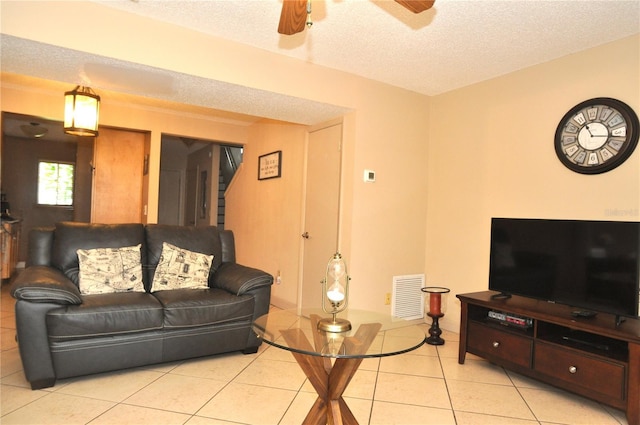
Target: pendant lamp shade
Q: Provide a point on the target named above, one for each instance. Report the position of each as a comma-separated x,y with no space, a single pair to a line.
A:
81,109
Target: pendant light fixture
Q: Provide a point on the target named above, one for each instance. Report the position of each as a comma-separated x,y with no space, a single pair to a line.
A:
81,108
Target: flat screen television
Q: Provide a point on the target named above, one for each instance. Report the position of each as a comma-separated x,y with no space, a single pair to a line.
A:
593,266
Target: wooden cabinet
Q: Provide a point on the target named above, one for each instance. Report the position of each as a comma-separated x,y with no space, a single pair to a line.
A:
9,237
594,357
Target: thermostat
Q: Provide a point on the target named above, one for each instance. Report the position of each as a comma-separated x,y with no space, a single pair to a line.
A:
369,176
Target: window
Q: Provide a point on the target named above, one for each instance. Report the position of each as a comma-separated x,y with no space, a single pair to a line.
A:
55,183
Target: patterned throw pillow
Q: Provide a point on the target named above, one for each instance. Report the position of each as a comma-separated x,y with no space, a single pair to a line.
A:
105,270
180,269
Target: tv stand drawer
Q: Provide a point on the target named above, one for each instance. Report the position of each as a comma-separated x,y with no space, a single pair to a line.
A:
499,346
576,369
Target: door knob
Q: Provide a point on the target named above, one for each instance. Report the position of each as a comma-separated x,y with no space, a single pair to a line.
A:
305,235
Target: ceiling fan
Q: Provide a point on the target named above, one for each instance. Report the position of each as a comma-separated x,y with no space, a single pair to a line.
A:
297,13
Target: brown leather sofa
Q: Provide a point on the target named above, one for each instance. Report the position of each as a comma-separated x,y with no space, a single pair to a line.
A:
63,333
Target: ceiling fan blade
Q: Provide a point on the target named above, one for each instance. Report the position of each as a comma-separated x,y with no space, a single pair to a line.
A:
416,6
292,17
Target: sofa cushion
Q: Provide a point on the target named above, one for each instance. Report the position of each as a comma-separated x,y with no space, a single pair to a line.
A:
105,270
181,269
185,308
105,314
69,237
205,240
39,245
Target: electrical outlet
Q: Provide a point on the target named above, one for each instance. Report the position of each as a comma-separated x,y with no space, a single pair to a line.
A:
387,298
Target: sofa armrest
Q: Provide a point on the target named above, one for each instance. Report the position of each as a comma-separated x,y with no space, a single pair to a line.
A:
239,279
43,284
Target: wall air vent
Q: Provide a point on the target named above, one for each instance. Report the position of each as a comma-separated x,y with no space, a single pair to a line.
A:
408,299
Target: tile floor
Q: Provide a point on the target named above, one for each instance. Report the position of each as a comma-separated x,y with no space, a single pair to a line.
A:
426,386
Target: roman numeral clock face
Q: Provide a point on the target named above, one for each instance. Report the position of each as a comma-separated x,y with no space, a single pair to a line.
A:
596,135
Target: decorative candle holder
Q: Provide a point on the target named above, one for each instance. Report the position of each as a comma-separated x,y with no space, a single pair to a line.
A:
435,306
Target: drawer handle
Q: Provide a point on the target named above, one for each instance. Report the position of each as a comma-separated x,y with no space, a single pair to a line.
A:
496,344
573,369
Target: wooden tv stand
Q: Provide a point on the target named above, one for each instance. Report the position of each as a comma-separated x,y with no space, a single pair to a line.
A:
591,357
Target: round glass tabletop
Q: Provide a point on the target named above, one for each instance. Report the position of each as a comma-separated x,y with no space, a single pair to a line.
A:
371,335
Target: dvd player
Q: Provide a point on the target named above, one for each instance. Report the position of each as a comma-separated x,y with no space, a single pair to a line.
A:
510,319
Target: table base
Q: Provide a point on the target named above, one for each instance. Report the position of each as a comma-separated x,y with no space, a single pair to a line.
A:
330,380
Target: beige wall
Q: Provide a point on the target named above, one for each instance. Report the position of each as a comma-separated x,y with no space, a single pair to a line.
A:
266,215
386,219
492,155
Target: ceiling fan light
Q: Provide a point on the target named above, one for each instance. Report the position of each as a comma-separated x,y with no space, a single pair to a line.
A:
34,129
81,110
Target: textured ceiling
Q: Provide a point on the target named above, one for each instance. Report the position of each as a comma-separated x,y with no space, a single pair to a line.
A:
452,45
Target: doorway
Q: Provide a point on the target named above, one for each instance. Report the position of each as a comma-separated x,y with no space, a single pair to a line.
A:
194,174
26,140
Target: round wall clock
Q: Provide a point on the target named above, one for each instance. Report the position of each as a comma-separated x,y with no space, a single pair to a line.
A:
597,135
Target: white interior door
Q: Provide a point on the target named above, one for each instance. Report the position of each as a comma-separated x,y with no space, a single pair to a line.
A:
170,197
321,210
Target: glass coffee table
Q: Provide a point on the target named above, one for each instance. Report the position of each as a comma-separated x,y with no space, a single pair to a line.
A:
329,360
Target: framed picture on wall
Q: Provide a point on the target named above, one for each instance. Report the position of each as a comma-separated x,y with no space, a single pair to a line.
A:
270,165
